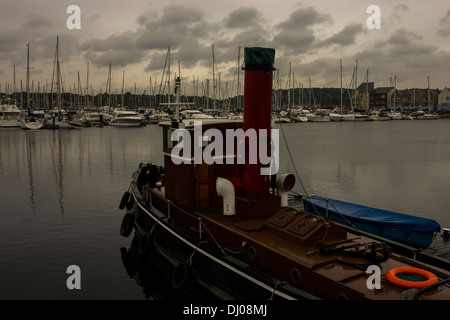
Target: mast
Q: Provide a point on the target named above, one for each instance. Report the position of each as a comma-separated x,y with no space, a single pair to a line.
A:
79,90
123,83
340,63
168,82
355,93
28,76
309,80
289,87
15,98
87,87
214,80
109,86
429,102
395,89
58,75
238,72
367,90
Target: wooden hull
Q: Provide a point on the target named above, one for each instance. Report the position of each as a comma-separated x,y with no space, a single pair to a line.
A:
186,260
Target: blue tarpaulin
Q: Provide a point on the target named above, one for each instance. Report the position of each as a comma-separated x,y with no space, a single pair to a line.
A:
368,216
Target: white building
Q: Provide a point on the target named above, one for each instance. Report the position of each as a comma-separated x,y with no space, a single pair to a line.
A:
444,97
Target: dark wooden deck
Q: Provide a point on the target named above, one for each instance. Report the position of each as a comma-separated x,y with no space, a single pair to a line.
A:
438,254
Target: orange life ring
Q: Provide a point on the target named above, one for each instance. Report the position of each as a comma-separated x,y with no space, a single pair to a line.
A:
391,276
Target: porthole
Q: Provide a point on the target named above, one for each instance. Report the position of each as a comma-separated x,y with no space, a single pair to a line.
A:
296,276
252,253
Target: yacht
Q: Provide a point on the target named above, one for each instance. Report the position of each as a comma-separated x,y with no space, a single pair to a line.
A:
299,115
336,116
33,120
126,118
9,114
394,115
194,114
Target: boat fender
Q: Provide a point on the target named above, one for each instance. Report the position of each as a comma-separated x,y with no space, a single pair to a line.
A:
127,225
391,276
145,243
125,200
180,276
225,189
285,183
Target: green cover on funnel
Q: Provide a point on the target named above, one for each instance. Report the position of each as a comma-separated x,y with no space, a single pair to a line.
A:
259,56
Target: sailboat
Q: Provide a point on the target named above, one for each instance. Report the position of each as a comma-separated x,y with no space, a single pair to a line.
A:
347,116
394,114
429,115
33,119
59,119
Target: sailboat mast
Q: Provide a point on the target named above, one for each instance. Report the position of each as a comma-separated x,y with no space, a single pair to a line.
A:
355,93
15,98
28,76
238,72
168,77
123,83
395,89
340,67
429,102
214,80
109,86
289,87
367,90
58,76
87,87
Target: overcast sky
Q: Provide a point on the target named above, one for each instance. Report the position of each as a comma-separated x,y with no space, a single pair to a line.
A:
313,36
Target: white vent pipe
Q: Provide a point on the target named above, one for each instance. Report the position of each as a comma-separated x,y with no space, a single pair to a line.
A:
225,189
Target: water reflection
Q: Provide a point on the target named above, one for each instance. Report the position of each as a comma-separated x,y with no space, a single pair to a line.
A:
30,151
56,152
154,283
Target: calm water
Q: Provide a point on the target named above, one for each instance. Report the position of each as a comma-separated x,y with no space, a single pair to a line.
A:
60,190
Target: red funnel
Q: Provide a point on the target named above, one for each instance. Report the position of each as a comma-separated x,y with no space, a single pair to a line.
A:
257,114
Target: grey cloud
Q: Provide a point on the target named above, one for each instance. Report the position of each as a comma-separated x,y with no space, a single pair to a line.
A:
344,37
303,18
37,21
243,17
295,33
178,27
115,41
444,30
405,43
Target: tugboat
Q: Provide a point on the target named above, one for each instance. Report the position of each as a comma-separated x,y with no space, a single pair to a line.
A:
228,228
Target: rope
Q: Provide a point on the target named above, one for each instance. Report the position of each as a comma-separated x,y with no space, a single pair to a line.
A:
195,250
296,172
276,286
215,241
303,187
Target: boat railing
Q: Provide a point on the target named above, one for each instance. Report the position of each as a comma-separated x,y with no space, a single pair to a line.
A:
201,224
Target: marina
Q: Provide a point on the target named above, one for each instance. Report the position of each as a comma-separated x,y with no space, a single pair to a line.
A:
224,158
